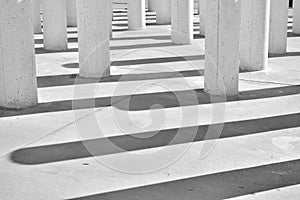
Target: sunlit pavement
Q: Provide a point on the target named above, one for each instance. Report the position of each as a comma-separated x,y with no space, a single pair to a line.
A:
44,150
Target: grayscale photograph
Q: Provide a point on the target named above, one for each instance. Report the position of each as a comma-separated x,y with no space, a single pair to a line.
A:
149,99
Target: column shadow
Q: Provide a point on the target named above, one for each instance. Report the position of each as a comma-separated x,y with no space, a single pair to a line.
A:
291,34
124,143
64,80
139,102
70,40
217,186
125,47
160,37
288,54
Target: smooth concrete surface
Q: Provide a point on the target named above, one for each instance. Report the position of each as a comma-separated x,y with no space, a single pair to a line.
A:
55,24
182,13
202,11
278,26
222,47
136,14
71,13
289,192
255,23
110,22
93,35
296,17
18,87
257,154
163,11
150,5
36,6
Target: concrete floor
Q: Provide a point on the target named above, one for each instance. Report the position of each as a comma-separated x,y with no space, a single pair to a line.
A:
42,149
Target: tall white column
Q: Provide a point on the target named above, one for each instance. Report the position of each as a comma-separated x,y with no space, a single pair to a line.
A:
296,17
18,85
196,6
278,26
55,24
71,13
254,34
93,38
36,5
111,15
182,21
202,11
136,14
163,11
150,5
222,47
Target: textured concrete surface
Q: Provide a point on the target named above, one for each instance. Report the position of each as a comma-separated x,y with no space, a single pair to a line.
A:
256,156
255,24
18,85
55,25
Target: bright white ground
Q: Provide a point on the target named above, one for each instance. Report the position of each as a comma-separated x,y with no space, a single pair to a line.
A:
256,157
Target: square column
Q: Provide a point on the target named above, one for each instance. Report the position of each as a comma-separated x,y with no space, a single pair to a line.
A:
222,47
202,11
278,26
55,24
163,11
296,17
136,14
71,13
18,84
111,16
36,5
150,5
182,13
254,34
93,38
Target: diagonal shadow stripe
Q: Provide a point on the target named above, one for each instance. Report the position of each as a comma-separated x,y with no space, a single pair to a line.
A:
154,37
123,19
125,47
170,99
215,186
60,80
146,101
44,51
291,34
157,60
141,46
146,61
288,54
140,141
70,40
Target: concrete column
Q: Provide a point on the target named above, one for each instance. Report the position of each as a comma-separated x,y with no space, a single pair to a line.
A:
36,4
182,21
18,85
93,38
196,6
222,47
150,5
163,11
136,14
111,15
55,24
254,34
202,11
71,13
296,17
278,26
